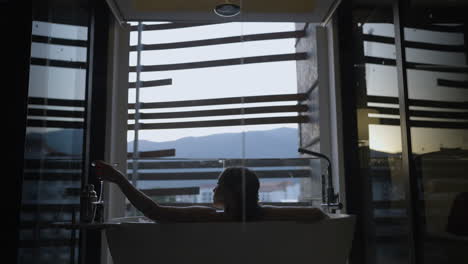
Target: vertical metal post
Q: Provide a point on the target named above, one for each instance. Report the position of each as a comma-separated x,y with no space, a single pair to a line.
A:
137,111
73,237
407,164
83,235
368,224
94,127
355,183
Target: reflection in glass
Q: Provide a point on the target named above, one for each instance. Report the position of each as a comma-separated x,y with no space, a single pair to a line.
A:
437,77
54,137
379,135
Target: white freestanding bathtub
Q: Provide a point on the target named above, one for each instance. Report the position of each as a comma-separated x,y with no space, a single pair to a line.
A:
134,242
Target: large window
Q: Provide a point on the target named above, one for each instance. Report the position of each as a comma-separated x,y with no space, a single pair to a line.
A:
204,97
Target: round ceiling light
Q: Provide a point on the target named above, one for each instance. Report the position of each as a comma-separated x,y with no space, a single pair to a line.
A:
227,10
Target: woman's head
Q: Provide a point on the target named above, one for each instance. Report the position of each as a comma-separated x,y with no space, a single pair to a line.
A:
237,193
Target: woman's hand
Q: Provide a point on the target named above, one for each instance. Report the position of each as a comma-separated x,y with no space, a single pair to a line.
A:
107,172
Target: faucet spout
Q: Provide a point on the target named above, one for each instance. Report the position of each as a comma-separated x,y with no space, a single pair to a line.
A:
331,200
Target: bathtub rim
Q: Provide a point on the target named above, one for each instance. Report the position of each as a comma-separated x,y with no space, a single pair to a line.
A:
126,220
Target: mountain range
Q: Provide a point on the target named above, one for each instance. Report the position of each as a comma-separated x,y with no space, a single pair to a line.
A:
275,143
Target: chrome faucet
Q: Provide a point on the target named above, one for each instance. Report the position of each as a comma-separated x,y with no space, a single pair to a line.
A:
331,199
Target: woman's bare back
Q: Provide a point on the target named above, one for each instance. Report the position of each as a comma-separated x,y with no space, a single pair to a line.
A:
210,214
292,213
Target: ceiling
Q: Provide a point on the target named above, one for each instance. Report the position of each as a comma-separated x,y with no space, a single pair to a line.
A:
202,10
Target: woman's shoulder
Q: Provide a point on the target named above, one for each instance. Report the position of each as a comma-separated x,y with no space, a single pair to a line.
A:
191,214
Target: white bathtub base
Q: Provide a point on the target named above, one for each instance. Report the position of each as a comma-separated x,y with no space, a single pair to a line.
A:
328,241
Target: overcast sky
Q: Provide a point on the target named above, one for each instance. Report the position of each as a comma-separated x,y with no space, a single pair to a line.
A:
214,82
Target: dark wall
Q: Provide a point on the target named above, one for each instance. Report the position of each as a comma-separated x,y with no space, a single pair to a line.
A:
15,17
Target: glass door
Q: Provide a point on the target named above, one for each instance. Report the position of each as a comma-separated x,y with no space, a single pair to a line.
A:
385,216
410,79
53,165
435,45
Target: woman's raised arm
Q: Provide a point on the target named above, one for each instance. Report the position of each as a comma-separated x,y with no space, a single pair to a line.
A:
150,208
140,200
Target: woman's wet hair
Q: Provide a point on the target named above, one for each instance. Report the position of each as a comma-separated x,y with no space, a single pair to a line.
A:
243,184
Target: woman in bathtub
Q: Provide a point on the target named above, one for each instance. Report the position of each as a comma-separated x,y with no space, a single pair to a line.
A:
236,193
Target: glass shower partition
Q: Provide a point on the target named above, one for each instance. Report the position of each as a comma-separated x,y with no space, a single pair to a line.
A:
54,133
436,63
